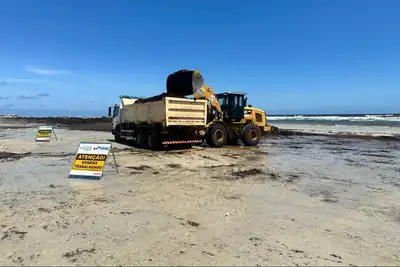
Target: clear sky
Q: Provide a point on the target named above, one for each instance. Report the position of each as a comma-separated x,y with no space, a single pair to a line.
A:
290,56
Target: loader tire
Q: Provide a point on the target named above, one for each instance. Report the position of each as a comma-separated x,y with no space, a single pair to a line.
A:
251,135
217,135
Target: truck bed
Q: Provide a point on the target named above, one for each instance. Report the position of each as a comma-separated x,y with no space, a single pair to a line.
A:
169,111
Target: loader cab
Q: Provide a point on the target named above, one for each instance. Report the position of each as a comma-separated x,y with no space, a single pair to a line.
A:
232,105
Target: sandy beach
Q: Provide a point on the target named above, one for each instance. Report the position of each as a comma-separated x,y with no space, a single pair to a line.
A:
293,200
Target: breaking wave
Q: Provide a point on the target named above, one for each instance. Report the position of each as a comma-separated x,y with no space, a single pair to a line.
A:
355,118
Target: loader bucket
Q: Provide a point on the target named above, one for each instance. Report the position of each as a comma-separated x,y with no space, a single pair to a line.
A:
184,82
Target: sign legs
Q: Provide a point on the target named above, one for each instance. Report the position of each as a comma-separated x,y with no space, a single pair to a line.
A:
54,132
115,162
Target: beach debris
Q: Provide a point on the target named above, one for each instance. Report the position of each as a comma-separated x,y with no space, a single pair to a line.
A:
194,224
100,199
255,239
245,173
174,165
292,178
78,252
140,167
9,156
297,251
13,231
18,260
233,197
208,253
126,212
273,176
335,256
44,210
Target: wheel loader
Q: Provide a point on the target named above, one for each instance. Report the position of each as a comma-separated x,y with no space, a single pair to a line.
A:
230,119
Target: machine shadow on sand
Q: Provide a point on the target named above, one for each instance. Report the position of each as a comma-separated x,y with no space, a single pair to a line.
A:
134,147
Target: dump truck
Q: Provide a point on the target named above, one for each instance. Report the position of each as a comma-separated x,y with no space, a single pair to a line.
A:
159,122
165,119
174,118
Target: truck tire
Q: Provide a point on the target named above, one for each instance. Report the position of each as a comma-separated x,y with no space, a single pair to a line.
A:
217,135
117,135
251,135
153,141
141,139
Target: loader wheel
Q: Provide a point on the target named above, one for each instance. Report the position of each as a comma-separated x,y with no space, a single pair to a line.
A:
251,135
217,135
153,141
141,139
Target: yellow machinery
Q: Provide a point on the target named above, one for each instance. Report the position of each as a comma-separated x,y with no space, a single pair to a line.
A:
258,117
223,119
230,119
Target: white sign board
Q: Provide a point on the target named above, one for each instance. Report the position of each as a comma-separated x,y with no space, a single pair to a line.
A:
44,133
90,160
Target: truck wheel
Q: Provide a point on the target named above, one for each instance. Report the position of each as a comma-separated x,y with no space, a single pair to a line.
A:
153,141
217,135
117,135
141,139
251,135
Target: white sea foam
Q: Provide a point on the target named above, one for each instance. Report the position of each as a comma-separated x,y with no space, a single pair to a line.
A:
342,129
365,118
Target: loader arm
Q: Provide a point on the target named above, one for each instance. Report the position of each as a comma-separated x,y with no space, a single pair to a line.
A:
208,93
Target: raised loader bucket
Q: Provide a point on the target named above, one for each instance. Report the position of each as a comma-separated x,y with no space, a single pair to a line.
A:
184,82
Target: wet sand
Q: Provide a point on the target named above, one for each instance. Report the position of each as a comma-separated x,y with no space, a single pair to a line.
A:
305,200
366,132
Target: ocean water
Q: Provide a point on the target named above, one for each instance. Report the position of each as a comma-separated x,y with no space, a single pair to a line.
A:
366,124
389,120
360,124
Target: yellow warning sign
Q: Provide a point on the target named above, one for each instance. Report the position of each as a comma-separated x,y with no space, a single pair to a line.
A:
44,133
89,162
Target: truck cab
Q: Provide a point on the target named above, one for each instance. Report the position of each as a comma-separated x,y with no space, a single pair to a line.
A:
114,113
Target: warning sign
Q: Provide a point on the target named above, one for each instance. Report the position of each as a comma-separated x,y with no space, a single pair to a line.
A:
90,160
44,133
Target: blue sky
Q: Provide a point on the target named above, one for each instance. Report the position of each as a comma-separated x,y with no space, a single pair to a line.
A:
290,56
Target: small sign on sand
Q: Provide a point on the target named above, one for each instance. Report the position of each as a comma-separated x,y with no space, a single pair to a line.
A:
90,160
44,134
